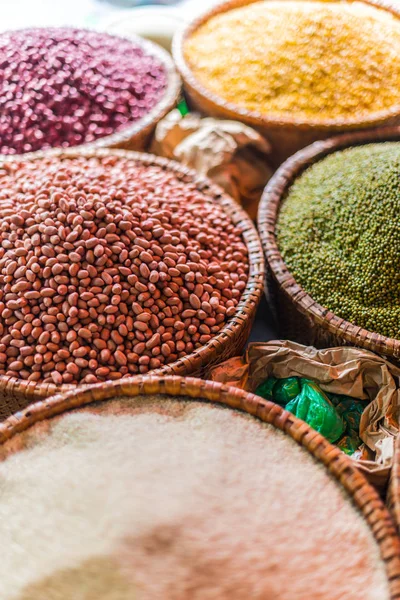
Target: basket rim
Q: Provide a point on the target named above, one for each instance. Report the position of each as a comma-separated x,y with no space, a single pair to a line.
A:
268,212
133,130
373,119
251,295
363,496
394,485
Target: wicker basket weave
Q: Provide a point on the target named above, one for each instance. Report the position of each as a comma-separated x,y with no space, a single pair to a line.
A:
137,134
17,393
393,497
287,135
364,497
300,317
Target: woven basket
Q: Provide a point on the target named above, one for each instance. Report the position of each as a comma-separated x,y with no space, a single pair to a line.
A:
287,135
393,497
299,316
17,393
137,135
364,497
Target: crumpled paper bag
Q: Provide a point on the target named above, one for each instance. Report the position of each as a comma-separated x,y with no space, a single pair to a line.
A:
349,371
231,154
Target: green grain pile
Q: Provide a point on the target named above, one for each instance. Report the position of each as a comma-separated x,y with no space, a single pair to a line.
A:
339,234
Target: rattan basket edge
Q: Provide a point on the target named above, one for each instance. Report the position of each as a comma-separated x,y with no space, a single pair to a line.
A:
302,317
137,134
339,465
286,134
16,393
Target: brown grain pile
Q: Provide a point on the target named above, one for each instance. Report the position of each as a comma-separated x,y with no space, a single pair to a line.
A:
110,268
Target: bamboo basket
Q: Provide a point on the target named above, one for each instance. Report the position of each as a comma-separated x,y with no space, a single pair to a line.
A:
341,468
393,497
136,135
287,135
17,393
300,317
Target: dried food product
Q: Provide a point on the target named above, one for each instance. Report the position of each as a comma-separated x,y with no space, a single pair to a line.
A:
129,497
316,61
65,87
339,233
109,267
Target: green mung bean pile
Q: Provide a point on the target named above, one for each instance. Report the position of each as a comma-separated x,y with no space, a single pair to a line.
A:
339,234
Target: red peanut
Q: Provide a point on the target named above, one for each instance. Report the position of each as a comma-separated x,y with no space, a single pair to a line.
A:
101,279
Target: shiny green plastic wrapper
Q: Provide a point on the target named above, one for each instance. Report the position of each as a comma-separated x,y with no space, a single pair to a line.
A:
183,107
266,389
280,391
349,443
315,408
286,390
336,398
351,411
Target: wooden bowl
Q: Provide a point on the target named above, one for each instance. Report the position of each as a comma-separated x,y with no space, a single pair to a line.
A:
231,339
355,487
300,317
137,134
287,135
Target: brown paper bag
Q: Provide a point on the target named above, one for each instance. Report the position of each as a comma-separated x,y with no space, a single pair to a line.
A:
231,154
348,371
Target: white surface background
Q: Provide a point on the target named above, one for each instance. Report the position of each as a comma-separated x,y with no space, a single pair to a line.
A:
34,13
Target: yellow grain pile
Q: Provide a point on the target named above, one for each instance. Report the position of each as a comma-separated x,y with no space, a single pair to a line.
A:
316,61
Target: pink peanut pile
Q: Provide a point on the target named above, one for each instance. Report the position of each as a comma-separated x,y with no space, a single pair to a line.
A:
109,268
64,87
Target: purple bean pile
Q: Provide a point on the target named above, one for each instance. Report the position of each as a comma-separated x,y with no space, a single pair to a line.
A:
110,268
65,87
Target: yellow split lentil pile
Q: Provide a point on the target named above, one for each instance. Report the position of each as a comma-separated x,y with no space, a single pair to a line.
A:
317,60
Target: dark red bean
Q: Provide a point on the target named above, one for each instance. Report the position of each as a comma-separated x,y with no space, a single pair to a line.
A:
72,106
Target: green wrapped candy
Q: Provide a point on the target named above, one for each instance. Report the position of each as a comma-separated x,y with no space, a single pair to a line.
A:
280,391
183,107
336,398
286,390
266,389
351,411
349,443
315,408
330,414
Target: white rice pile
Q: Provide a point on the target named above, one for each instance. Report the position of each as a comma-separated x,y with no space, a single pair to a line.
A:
173,500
